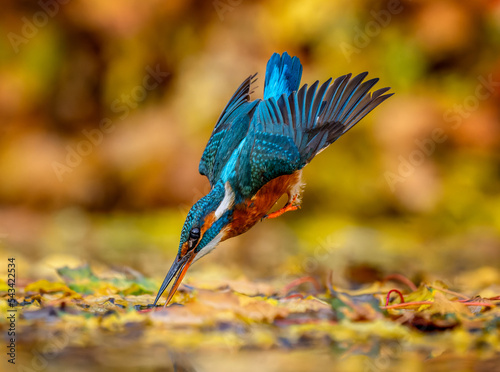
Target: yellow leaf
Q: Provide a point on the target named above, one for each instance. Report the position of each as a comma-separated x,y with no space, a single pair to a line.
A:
44,286
442,305
263,311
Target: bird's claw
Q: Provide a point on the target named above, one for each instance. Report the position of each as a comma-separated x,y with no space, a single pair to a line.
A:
287,208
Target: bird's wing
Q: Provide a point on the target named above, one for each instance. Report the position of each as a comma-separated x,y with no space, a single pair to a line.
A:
229,131
283,74
285,134
263,157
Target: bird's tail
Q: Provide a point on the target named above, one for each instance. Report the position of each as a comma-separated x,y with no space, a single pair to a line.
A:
283,74
338,106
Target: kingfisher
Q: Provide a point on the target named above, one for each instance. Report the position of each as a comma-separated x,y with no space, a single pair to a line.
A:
258,149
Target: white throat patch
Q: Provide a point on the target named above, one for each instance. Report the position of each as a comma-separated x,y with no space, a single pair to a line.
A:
227,202
209,247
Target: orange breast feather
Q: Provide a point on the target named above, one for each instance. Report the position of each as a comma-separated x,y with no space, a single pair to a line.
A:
251,211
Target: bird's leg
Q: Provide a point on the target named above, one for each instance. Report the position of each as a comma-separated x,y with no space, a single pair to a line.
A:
289,206
294,192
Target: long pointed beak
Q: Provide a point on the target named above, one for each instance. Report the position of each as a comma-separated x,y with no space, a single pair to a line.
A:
180,266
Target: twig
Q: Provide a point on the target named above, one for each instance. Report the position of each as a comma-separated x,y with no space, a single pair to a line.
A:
389,296
302,280
451,292
406,304
295,295
329,282
496,298
401,278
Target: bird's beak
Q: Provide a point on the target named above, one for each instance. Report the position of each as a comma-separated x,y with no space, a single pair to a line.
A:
180,265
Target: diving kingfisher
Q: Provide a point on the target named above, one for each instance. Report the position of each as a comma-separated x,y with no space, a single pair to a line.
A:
257,151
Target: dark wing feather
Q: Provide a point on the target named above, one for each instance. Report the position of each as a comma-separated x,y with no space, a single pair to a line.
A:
230,129
328,112
264,157
285,134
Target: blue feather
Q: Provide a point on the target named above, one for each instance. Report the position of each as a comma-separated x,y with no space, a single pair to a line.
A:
256,141
283,74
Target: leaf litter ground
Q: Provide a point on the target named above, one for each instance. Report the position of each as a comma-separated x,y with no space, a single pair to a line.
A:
107,320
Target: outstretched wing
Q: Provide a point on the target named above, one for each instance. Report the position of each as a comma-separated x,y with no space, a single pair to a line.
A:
263,157
229,131
283,74
286,134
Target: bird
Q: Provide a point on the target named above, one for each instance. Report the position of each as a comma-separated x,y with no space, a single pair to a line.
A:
257,151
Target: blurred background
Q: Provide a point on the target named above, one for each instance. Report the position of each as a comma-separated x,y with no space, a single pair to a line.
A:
105,109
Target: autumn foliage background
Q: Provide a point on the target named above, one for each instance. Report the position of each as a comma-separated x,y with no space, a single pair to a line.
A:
105,109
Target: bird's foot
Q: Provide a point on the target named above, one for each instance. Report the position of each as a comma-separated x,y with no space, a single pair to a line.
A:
287,208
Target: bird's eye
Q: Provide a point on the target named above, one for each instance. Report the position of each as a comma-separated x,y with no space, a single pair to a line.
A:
194,235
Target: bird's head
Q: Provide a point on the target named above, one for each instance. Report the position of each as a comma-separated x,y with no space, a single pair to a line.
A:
204,228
